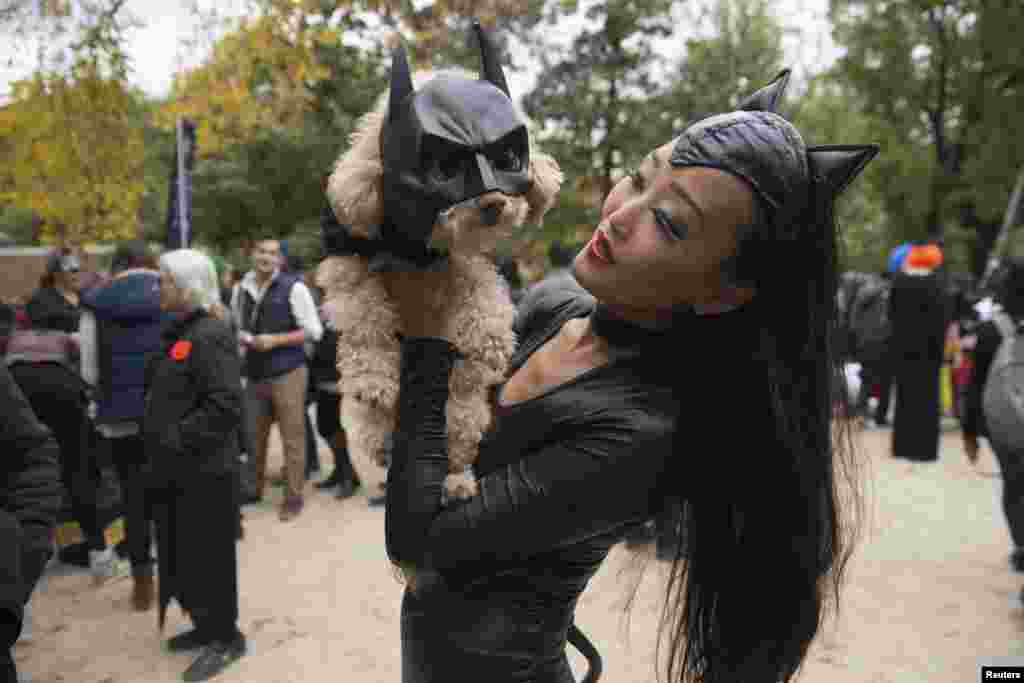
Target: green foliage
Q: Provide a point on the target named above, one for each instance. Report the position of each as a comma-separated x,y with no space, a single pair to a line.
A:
274,182
603,101
593,98
941,81
18,225
743,51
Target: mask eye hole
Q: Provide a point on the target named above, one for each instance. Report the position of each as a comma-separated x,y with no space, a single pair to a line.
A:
448,166
509,161
442,159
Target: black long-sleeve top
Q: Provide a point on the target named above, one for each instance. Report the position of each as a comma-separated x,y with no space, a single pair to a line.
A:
561,476
193,401
49,310
30,495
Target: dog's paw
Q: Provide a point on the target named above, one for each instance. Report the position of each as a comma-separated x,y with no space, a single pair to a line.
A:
460,485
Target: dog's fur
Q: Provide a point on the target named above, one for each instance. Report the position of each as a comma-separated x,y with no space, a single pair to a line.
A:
471,297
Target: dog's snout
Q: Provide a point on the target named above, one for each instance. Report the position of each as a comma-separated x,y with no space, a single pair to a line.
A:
491,207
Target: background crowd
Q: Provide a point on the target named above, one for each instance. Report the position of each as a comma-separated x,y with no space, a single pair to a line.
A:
918,342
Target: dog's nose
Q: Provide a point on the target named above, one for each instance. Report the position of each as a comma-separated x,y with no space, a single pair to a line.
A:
491,207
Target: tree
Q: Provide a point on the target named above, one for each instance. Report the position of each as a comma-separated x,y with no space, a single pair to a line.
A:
826,114
50,35
73,155
606,99
591,99
290,57
742,52
258,78
944,77
273,182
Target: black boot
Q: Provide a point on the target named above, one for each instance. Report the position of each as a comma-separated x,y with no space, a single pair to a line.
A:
346,489
330,482
216,656
381,499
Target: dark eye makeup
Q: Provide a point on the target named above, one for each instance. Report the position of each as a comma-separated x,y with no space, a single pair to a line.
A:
671,228
676,230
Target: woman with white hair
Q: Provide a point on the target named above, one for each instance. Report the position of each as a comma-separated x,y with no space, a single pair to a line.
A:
193,410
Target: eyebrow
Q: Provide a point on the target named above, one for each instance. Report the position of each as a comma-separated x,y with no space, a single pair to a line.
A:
679,189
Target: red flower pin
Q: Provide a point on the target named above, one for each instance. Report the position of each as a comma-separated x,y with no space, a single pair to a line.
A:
181,349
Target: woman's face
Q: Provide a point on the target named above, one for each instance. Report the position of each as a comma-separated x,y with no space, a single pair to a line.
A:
663,236
69,281
171,297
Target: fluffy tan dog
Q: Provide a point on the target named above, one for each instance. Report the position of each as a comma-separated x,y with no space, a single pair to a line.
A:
466,289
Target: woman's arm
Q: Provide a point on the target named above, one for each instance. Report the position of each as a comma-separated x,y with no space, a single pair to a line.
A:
216,370
30,488
560,495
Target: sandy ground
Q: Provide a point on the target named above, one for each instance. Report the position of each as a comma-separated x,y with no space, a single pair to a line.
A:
930,595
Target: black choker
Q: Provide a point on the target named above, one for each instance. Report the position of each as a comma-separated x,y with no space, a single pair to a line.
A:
624,334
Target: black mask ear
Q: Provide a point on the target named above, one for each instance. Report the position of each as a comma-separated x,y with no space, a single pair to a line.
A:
838,165
490,65
768,97
401,81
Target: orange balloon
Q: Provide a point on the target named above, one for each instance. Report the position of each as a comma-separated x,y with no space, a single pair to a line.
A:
924,256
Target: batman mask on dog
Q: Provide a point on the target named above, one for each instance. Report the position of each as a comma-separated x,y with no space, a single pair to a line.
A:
452,140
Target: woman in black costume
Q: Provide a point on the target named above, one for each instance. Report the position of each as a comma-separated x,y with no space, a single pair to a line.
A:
721,247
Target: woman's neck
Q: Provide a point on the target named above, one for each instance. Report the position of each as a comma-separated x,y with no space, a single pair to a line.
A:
624,328
69,295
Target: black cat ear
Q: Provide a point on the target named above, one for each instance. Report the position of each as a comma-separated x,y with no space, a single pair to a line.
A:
491,70
768,97
401,80
838,165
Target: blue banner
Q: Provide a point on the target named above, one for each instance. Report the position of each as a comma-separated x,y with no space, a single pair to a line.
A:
179,196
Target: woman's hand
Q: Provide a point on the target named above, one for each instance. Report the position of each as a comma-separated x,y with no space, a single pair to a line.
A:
415,296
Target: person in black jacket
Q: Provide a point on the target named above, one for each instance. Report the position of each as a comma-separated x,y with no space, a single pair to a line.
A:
1011,463
920,316
710,297
55,305
30,497
190,426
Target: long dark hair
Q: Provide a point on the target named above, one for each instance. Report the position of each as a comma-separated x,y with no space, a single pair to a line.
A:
49,277
765,524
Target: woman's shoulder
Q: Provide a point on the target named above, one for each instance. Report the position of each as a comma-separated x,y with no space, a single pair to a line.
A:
209,327
556,296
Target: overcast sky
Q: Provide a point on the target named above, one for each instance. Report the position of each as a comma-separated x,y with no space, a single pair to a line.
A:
156,50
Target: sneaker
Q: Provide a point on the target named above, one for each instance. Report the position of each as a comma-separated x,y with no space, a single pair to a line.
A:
346,489
189,640
328,483
105,565
252,498
380,499
215,657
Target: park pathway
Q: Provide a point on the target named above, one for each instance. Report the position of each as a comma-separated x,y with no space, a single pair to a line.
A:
929,595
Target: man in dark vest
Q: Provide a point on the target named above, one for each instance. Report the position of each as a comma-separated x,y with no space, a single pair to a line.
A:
120,329
276,316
